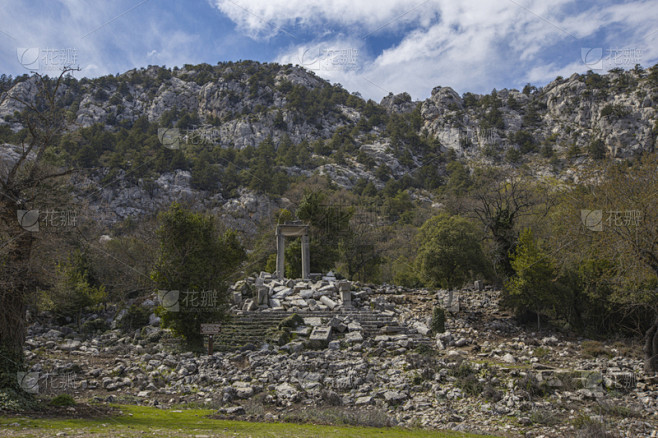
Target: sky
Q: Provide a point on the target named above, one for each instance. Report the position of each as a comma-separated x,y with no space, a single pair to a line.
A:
373,47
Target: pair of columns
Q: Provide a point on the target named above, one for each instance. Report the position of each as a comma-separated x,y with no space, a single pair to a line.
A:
292,230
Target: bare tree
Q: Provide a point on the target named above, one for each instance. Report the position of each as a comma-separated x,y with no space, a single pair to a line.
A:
22,181
500,201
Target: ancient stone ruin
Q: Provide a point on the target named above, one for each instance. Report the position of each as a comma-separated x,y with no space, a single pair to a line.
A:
292,229
331,311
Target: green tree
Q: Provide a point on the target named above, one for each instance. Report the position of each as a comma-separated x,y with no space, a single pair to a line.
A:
533,285
596,149
450,253
194,259
77,287
329,225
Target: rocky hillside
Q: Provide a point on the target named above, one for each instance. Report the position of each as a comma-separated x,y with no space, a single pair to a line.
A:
232,115
362,352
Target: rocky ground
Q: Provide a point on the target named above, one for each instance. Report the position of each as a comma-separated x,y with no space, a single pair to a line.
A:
366,351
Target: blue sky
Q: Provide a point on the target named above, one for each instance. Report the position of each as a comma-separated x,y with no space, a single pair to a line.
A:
371,47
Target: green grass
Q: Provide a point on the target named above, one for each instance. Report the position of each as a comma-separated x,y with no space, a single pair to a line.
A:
139,421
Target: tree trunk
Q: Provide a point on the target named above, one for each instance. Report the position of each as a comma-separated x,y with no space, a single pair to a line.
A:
15,281
651,349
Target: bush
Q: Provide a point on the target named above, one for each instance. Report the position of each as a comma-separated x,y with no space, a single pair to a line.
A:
597,149
471,385
136,317
95,325
594,349
438,323
490,394
77,287
532,386
62,400
545,417
590,428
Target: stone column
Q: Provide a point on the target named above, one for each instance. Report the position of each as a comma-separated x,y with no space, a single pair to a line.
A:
306,260
280,254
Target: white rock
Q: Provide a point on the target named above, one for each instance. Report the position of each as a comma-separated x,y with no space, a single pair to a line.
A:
508,358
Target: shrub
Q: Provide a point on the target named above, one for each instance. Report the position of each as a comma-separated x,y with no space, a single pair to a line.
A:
490,394
594,349
596,149
531,385
340,416
471,385
545,417
136,317
77,287
282,337
541,352
95,325
62,400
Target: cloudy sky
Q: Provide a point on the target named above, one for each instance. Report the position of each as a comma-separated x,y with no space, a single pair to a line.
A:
370,46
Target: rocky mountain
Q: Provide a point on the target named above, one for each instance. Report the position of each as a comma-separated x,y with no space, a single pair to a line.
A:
223,110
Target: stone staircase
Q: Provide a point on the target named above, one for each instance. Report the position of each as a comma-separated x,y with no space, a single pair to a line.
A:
253,327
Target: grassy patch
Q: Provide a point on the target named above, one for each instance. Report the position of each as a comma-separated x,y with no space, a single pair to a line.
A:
594,349
139,421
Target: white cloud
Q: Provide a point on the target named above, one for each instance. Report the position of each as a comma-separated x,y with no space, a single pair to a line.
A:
266,18
470,45
108,37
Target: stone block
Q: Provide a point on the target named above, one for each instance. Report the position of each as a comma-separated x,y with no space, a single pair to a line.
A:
320,337
346,298
313,321
353,337
331,304
249,305
263,296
